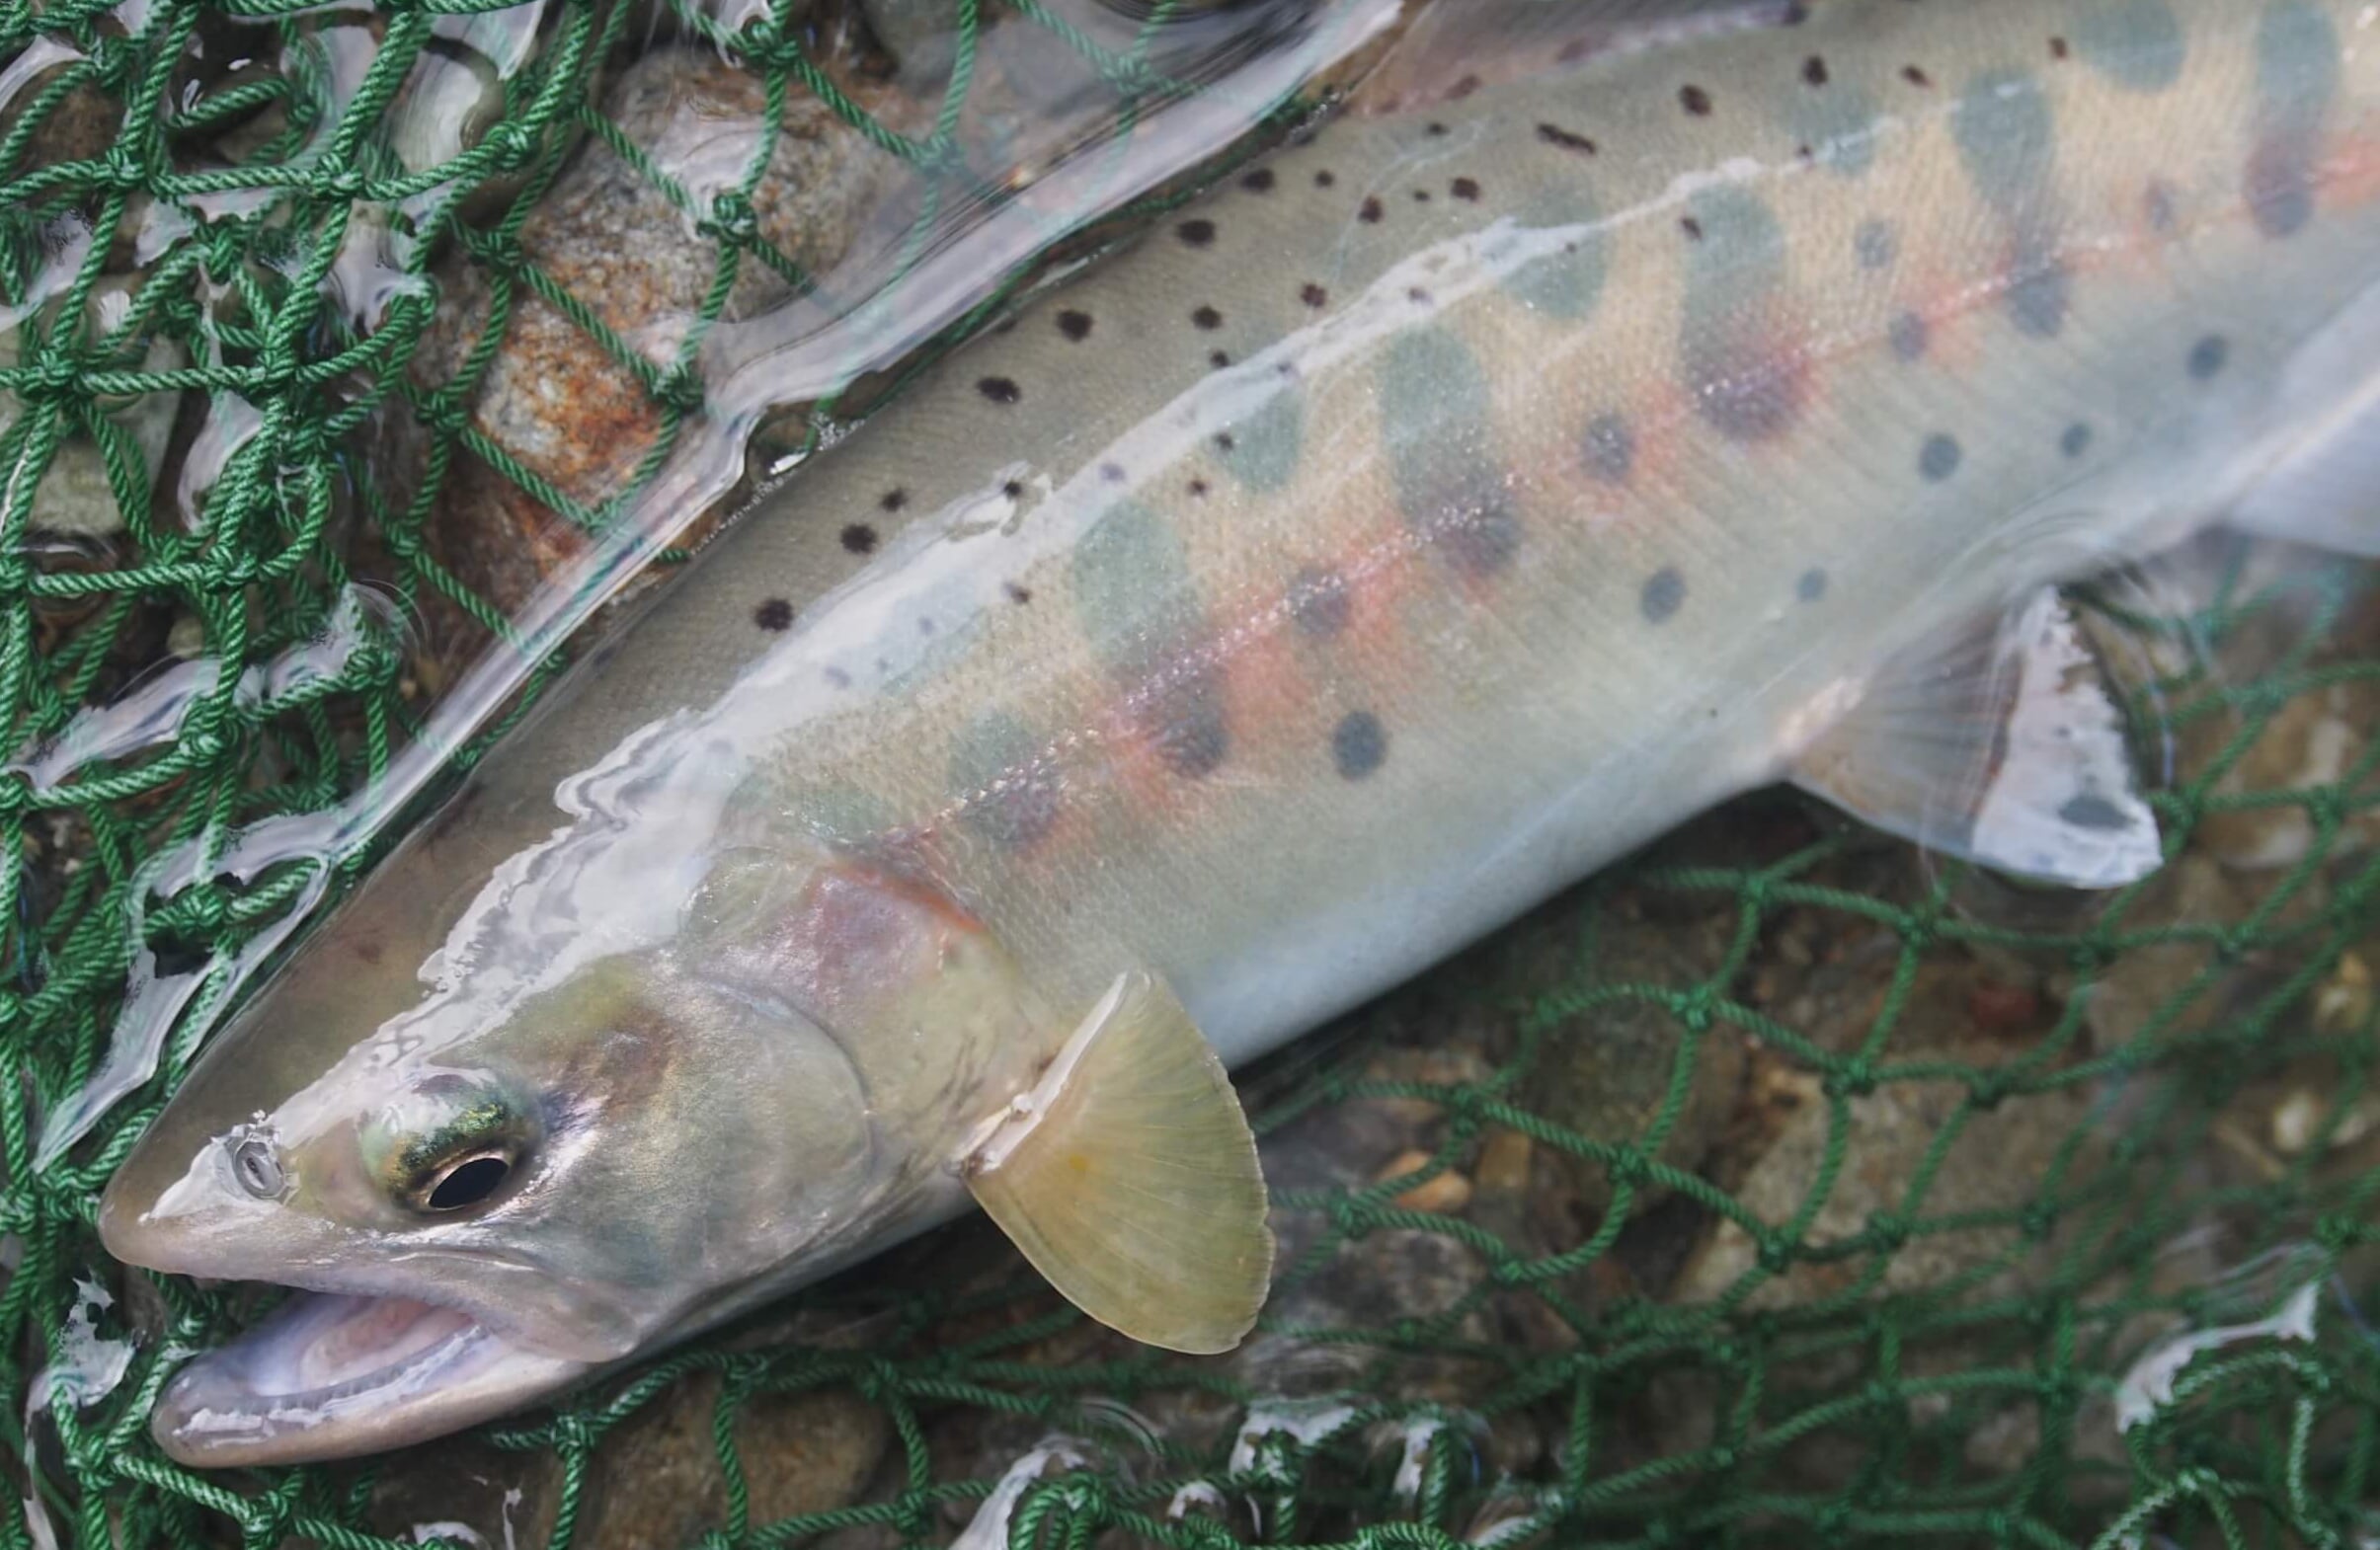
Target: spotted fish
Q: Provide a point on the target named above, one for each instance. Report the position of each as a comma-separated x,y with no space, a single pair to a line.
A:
1438,509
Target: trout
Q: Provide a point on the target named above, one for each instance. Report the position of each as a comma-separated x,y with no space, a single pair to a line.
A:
1435,510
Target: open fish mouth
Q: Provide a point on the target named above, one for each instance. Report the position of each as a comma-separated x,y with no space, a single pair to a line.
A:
329,1374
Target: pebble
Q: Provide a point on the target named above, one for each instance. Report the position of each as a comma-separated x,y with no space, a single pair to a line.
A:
553,397
1445,1193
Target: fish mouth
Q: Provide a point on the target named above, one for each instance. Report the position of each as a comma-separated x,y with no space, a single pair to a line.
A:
331,1376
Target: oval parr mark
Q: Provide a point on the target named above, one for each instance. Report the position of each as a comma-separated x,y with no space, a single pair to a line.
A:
1747,381
1445,466
2299,74
1004,775
1939,459
2138,44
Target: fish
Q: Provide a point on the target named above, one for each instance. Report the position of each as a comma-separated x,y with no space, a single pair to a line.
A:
1443,505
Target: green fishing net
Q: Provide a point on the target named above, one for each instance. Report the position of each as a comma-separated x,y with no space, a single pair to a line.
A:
1780,1187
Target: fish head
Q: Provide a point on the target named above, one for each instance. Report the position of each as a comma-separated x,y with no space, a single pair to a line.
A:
498,1204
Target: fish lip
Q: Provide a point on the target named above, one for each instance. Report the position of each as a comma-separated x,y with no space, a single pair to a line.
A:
307,1382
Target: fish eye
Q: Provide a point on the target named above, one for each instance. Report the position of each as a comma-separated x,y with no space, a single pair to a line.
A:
465,1182
456,1148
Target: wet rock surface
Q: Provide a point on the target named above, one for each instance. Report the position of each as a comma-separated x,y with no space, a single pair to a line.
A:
557,398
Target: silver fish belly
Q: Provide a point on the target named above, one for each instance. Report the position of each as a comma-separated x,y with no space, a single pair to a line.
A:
1435,512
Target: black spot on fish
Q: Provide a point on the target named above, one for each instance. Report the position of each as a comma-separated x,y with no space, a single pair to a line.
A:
2092,811
1000,390
2208,357
1692,227
1325,178
1812,586
1014,489
2077,439
1196,233
1555,135
1421,196
1112,473
1909,334
1224,441
1018,591
1663,596
1814,71
1939,458
1075,326
1610,447
1694,101
1915,76
1185,722
1259,181
1313,296
1197,489
2060,50
1205,318
860,538
774,615
1359,744
1217,359
894,499
1318,601
1368,212
1465,190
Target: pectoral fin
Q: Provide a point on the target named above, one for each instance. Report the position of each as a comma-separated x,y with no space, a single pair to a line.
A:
2003,746
1129,1177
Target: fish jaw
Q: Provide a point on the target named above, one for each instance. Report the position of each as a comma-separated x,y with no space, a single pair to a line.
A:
328,1375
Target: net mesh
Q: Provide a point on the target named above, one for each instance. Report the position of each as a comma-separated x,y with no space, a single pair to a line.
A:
1773,1186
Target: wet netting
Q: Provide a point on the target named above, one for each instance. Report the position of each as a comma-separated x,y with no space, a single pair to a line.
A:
1782,1187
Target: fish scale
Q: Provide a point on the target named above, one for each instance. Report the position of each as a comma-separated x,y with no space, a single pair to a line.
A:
1433,513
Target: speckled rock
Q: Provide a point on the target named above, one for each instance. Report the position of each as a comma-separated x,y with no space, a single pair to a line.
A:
657,1481
2150,985
1996,1163
553,397
2310,741
1608,1072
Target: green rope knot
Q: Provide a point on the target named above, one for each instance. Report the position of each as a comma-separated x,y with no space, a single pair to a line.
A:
336,183
1888,1232
1988,1092
681,389
119,167
1856,1079
511,145
1629,1167
731,222
56,378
